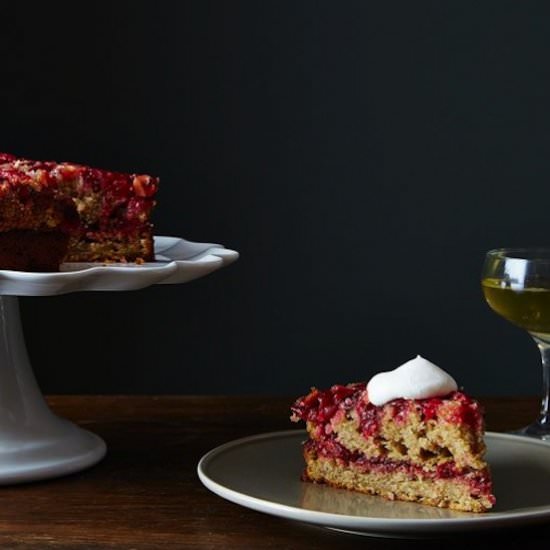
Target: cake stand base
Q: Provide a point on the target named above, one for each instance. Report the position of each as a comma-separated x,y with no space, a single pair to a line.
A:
34,443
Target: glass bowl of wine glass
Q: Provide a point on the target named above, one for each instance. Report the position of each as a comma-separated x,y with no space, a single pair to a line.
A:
516,285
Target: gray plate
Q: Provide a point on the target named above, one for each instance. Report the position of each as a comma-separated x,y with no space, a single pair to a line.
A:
262,472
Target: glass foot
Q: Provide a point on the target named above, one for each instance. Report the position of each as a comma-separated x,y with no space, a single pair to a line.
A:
536,430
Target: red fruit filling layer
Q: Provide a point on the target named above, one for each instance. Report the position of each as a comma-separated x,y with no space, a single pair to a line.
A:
478,481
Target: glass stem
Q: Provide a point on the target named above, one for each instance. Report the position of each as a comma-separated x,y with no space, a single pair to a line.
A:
544,348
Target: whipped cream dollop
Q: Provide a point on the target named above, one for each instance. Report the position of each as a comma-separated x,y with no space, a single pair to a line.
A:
415,379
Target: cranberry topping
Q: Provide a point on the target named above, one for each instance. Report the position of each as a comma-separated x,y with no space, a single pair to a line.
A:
369,417
6,157
134,193
321,405
430,408
456,408
93,179
468,412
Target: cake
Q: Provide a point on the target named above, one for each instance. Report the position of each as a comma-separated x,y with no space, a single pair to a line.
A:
409,434
64,212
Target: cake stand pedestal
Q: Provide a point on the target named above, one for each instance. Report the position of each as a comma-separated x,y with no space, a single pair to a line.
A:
35,443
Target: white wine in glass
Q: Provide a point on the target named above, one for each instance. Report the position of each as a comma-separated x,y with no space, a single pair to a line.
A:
516,285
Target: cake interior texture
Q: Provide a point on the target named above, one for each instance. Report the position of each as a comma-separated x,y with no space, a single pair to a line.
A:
64,212
429,451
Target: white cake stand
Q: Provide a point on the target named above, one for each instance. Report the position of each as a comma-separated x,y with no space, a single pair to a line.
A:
35,443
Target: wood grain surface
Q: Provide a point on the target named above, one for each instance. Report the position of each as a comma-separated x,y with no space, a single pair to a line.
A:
146,493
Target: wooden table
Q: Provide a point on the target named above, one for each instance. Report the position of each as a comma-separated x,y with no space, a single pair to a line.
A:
146,494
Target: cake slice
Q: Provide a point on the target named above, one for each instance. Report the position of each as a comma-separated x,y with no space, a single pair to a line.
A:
64,212
423,445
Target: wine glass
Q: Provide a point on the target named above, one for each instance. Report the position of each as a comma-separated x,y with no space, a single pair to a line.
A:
516,285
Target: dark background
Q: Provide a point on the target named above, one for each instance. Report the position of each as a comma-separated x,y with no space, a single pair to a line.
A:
361,156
